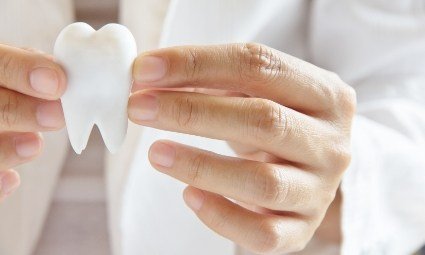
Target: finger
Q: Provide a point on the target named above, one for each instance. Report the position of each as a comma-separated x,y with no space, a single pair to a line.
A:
30,73
259,233
275,187
9,182
22,113
253,69
255,122
33,50
18,148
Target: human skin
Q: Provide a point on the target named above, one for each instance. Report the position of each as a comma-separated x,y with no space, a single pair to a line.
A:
30,86
288,121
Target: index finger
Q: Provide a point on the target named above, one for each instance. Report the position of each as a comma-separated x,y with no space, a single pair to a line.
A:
253,69
31,73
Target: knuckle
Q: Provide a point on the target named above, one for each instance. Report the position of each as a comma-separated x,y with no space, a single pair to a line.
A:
7,66
198,167
336,156
341,158
273,187
219,219
326,197
192,64
277,189
344,96
349,101
338,152
321,195
186,112
258,63
9,105
270,238
265,120
276,241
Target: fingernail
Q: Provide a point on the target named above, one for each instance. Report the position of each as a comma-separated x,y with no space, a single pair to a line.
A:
143,107
149,69
44,80
50,115
8,184
194,198
27,146
162,154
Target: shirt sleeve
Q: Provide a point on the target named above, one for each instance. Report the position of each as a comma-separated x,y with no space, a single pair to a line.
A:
380,51
384,188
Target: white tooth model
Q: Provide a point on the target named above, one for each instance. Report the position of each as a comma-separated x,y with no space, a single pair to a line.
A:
98,65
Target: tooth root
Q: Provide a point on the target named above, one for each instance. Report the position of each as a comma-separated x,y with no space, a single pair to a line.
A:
113,129
79,126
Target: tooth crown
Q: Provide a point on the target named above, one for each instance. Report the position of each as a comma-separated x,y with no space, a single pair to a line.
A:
98,66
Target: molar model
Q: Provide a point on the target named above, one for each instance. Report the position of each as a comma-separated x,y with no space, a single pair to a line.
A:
98,65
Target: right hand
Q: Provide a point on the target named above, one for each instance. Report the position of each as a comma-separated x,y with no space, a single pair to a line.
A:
30,86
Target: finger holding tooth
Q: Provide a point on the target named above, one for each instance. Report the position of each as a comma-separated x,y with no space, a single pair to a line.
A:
293,118
30,85
255,122
31,73
22,113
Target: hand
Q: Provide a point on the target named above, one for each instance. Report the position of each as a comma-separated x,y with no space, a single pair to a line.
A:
30,84
290,125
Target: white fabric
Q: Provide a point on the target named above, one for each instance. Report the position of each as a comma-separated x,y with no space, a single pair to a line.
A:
380,50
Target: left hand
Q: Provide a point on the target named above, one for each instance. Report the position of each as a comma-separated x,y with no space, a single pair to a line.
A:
289,124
